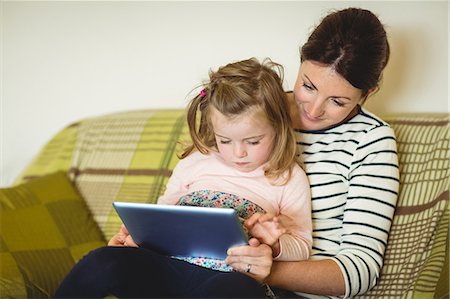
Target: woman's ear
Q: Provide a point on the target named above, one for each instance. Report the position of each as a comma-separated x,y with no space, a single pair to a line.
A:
372,91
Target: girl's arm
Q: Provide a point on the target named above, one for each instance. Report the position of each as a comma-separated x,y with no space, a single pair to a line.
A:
177,185
295,206
289,233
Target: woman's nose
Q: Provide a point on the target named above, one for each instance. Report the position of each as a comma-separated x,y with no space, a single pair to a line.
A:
316,109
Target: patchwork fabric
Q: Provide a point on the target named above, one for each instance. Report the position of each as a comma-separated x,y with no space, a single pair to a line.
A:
129,156
419,234
45,229
125,156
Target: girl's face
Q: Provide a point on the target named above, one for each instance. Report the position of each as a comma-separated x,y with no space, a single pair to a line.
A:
324,98
244,142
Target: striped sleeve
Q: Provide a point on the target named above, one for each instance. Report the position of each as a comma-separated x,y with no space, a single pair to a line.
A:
372,195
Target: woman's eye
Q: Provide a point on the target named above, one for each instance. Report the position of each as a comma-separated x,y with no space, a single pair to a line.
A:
307,87
337,102
224,141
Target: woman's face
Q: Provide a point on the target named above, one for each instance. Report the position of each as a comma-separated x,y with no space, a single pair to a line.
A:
324,98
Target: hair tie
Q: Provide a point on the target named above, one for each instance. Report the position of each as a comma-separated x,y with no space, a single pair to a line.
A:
203,93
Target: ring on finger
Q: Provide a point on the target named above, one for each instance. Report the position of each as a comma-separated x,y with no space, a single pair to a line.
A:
249,267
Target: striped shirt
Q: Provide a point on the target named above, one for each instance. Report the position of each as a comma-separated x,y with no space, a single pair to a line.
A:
353,172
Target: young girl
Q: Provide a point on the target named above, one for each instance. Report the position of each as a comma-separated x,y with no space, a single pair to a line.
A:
244,156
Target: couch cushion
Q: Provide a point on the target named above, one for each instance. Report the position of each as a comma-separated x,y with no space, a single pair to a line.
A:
126,156
45,228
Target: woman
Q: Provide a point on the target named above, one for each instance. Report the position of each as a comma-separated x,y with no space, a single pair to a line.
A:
350,158
351,163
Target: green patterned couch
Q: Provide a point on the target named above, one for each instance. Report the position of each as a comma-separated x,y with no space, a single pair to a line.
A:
60,206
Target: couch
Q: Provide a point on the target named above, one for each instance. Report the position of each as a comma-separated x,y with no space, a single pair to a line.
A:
60,207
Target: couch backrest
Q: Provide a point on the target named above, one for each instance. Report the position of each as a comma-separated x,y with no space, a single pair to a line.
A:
129,156
419,234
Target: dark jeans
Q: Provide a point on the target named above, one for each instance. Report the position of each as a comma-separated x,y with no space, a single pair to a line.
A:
127,272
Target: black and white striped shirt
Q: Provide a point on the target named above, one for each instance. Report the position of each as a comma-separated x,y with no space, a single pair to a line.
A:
353,172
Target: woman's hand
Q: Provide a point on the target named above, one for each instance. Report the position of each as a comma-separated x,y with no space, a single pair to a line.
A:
254,260
122,238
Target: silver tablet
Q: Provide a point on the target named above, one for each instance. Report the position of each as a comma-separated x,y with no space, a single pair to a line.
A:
182,230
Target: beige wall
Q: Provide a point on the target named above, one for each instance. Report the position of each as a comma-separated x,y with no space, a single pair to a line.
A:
63,61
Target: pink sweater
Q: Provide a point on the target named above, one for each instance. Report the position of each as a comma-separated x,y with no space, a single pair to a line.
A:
208,172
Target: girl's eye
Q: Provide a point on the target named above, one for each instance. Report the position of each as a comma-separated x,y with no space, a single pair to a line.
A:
253,142
225,142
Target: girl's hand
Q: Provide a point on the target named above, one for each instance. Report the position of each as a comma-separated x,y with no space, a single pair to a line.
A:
267,229
254,260
122,238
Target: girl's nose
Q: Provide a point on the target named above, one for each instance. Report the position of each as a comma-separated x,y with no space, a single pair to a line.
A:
240,151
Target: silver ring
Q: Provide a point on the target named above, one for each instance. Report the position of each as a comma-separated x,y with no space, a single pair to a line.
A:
249,267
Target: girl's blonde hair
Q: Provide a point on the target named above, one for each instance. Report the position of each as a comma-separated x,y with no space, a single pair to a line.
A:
233,90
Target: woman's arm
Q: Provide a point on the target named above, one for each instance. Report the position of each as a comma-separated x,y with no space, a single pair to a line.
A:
355,267
322,277
316,277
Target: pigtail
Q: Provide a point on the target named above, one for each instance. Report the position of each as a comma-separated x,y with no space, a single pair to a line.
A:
198,130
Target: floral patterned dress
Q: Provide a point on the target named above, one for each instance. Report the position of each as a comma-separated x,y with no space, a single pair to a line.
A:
217,199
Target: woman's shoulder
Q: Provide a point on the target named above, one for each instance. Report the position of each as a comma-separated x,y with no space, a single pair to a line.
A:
363,122
371,118
373,124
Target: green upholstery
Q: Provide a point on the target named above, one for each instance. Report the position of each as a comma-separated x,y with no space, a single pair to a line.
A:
45,228
125,156
129,156
418,239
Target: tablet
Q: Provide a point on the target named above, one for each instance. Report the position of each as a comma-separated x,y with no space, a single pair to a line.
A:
186,231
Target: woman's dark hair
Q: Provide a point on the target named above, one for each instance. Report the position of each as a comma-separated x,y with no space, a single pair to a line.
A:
353,41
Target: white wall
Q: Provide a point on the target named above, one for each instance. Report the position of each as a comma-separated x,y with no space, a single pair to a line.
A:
63,61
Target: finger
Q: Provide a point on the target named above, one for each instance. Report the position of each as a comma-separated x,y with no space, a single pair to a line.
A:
265,217
255,250
252,220
130,242
239,250
254,242
116,240
124,230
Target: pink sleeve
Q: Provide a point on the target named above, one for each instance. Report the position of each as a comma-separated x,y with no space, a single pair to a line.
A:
296,204
178,184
